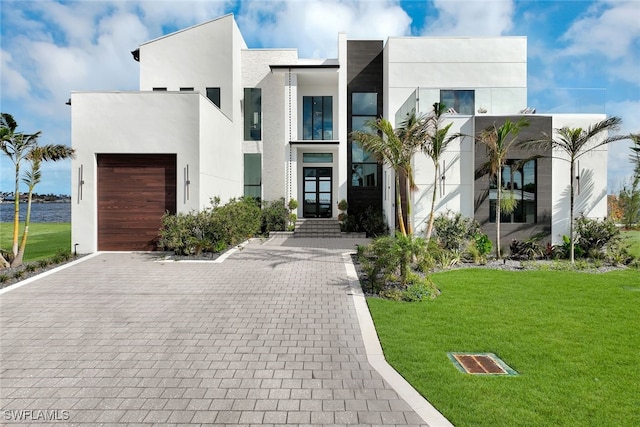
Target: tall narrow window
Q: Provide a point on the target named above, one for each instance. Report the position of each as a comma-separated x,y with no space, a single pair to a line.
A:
252,114
213,93
460,101
317,116
253,175
364,167
518,183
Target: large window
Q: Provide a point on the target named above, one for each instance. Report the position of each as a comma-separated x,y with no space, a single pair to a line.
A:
252,114
460,101
364,166
213,93
253,175
518,183
317,117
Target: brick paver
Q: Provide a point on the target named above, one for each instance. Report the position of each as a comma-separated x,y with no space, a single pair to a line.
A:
269,336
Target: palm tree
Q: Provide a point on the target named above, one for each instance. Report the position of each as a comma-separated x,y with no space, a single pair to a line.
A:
498,141
21,147
32,177
16,146
434,146
396,149
575,143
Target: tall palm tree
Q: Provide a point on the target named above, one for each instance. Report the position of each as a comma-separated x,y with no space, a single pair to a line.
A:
16,146
20,147
575,143
50,152
498,141
434,146
394,148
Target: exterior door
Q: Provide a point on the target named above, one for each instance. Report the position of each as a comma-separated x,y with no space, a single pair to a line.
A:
317,192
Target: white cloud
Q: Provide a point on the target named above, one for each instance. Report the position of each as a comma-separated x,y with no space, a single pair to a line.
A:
620,168
471,18
609,35
14,85
609,28
313,26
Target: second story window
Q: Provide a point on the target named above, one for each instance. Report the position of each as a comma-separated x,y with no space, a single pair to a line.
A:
364,165
317,117
460,101
213,93
252,114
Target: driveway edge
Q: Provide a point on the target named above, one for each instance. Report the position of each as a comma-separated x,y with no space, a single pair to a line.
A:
375,356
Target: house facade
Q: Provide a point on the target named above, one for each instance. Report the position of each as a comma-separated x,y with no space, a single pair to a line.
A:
214,118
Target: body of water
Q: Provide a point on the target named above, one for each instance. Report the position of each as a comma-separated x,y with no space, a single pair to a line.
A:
40,212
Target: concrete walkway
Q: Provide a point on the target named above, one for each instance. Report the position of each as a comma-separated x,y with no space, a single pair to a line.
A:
270,335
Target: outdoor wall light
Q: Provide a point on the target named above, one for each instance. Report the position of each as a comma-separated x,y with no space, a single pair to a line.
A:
75,249
187,183
442,179
80,182
578,178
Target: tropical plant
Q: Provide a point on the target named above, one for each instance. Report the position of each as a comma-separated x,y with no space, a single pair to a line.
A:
630,194
453,231
575,143
434,145
21,147
396,148
498,141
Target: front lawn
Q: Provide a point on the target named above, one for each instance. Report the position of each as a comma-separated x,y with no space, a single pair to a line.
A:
44,241
632,238
573,337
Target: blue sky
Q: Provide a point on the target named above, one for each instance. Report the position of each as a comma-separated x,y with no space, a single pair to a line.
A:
583,56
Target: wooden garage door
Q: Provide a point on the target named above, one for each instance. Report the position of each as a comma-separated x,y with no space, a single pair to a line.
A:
134,191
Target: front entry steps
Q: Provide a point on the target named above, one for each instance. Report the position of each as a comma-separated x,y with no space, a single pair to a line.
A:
319,228
316,228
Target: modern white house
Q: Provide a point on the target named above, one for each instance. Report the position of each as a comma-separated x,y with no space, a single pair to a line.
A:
214,118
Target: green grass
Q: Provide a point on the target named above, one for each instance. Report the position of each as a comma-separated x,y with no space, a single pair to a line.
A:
44,241
573,337
632,238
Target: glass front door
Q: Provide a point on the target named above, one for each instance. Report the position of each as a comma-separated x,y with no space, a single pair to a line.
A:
317,192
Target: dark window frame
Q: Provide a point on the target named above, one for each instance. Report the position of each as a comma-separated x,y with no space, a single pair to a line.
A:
360,176
317,118
512,168
213,93
252,114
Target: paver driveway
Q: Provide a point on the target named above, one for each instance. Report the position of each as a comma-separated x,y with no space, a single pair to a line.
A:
269,336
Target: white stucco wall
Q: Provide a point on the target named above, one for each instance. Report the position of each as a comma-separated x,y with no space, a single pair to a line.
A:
458,185
592,197
256,73
147,122
220,159
494,67
201,56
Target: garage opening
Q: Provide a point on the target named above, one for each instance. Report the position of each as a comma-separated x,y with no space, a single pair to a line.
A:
134,191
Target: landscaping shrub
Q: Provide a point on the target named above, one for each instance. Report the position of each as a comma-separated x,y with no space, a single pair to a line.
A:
274,216
453,232
370,221
211,230
525,250
594,236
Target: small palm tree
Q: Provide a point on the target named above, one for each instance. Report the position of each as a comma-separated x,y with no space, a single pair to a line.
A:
575,143
498,141
32,177
436,142
20,147
396,149
16,146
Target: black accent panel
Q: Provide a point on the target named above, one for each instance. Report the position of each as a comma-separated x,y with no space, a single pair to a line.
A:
364,74
518,231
